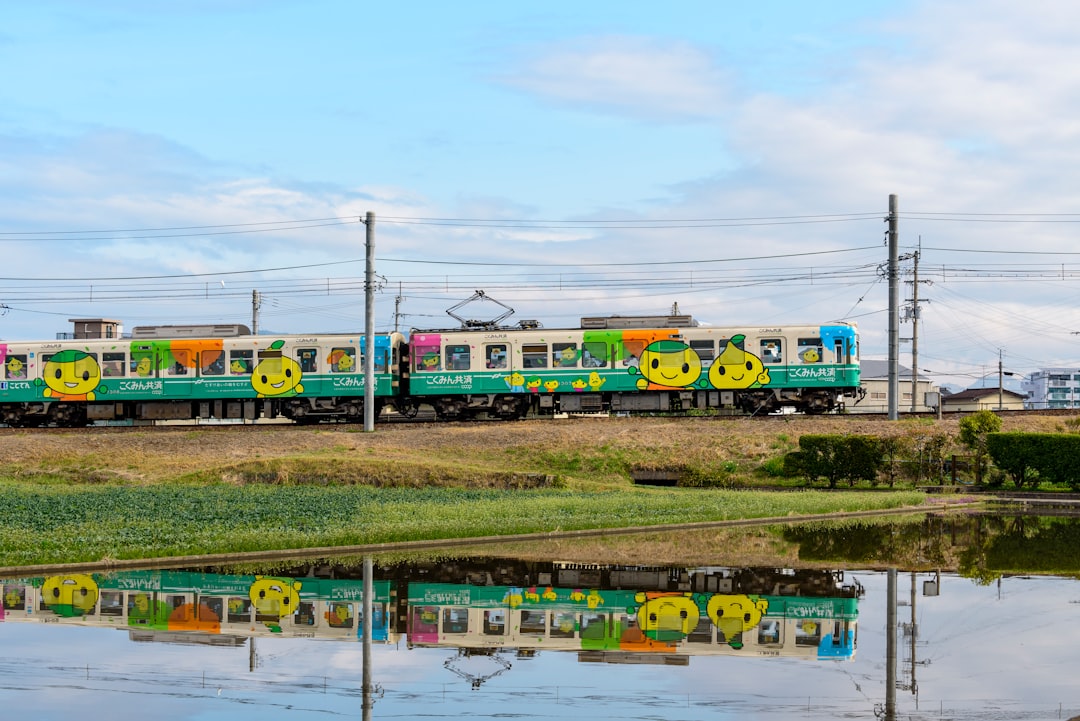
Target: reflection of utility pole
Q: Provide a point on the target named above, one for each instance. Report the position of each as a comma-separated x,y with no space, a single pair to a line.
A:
367,690
252,660
890,649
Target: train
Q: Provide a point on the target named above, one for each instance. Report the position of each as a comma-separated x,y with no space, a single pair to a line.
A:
608,365
607,614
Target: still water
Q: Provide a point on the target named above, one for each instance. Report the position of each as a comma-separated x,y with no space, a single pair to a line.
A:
507,637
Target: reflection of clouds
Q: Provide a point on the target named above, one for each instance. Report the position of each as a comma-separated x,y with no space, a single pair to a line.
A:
1009,651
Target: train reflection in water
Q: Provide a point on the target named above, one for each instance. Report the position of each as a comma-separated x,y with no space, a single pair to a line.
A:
611,614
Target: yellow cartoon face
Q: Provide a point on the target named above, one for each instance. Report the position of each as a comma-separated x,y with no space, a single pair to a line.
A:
71,372
665,617
345,363
550,386
516,379
810,355
670,363
73,593
595,381
735,613
275,596
735,368
578,384
533,383
568,356
144,366
14,368
278,376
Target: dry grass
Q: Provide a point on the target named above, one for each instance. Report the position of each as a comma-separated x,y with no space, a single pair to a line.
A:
594,451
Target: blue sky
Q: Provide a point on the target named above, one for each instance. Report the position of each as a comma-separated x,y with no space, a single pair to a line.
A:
596,158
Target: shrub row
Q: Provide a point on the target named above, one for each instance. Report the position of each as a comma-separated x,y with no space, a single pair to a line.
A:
1049,457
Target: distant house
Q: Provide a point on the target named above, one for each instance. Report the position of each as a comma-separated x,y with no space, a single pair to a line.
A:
874,375
983,399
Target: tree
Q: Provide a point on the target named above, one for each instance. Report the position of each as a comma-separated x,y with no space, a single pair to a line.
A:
973,430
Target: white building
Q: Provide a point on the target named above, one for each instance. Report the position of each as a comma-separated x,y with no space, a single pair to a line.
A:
874,378
1052,388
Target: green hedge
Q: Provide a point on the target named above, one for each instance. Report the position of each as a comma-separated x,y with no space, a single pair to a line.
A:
1037,457
837,458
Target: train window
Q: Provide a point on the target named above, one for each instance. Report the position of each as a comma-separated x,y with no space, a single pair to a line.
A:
240,362
706,351
455,620
342,360
305,614
15,366
770,633
179,363
807,633
534,356
702,633
533,622
810,350
142,362
594,626
112,603
563,624
212,363
496,355
458,357
564,355
495,622
594,355
140,606
425,619
631,351
340,615
772,350
427,358
239,609
14,597
380,360
308,359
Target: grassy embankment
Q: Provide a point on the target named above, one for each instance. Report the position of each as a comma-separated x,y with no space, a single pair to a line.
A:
91,496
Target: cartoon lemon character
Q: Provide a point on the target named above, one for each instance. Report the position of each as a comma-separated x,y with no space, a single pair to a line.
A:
144,366
533,384
279,376
810,355
71,375
734,613
275,596
579,384
516,381
551,385
667,365
667,616
568,357
735,368
595,381
73,594
15,368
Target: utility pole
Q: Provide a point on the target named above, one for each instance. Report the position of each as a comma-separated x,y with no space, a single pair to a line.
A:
397,306
256,303
894,310
1001,383
369,325
914,314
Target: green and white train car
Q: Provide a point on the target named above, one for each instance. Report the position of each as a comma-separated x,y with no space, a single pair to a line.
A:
507,373
304,378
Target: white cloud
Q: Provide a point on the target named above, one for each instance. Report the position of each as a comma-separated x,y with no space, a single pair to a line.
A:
636,76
